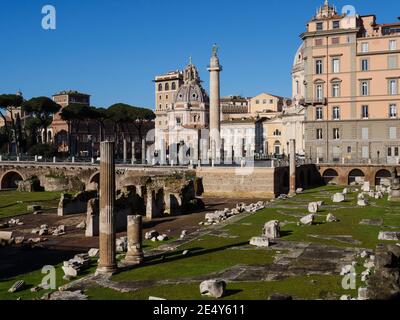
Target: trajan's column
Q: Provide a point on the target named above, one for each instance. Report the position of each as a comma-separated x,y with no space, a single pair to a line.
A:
215,126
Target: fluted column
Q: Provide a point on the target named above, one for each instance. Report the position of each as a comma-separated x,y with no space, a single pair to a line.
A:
107,262
134,232
292,147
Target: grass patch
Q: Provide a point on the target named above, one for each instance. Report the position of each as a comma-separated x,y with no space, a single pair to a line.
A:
14,203
303,288
33,279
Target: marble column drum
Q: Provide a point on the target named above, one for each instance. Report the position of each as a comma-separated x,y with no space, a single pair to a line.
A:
107,262
134,232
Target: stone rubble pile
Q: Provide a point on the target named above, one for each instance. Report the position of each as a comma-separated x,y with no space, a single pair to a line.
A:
15,223
44,230
74,266
220,216
389,236
270,231
154,236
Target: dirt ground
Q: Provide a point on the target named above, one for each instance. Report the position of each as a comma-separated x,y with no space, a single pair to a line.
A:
22,259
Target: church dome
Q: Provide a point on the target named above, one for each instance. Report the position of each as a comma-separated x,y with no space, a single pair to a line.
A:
191,91
298,59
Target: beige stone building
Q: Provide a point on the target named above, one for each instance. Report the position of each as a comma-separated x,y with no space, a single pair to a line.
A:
347,74
265,104
280,129
234,107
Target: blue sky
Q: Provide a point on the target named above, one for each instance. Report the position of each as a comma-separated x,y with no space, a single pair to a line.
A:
113,49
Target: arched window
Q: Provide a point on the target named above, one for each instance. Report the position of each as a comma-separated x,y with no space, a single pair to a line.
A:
173,86
160,87
166,87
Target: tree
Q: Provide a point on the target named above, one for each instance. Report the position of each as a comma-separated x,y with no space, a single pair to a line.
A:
32,126
100,115
7,103
43,109
122,114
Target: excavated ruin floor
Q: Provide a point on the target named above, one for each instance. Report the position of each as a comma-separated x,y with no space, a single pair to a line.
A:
16,260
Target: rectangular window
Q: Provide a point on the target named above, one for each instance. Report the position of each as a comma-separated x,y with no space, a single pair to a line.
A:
365,112
393,133
364,65
178,120
336,24
365,133
320,26
336,134
319,42
336,90
336,113
364,47
393,111
348,149
364,88
392,45
320,153
318,113
336,154
365,152
319,92
393,87
392,62
257,101
319,134
336,40
318,67
336,65
264,101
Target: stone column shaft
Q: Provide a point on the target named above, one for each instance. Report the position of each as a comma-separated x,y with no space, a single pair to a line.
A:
143,151
125,150
134,232
292,147
133,153
149,204
107,262
163,153
215,107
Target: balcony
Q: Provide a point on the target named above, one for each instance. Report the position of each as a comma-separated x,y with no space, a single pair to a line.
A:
316,101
